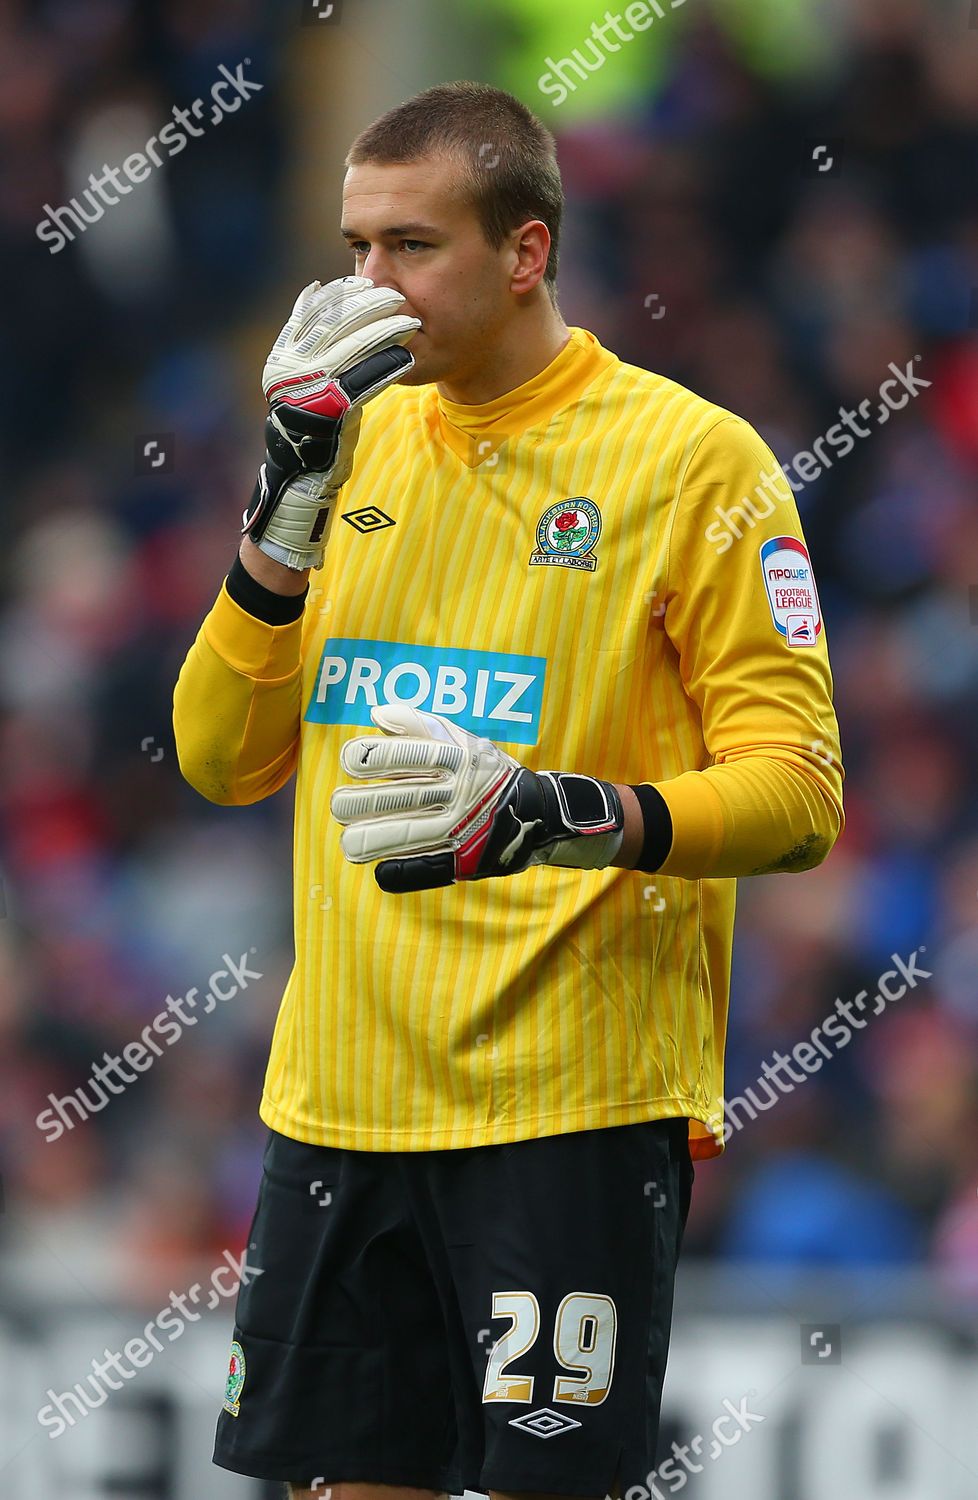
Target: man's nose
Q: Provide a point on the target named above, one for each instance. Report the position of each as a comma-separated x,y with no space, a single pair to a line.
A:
378,268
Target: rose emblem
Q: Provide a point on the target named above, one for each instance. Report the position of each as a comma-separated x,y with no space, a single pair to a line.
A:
568,531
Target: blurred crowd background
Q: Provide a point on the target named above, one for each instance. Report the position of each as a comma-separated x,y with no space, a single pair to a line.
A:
701,241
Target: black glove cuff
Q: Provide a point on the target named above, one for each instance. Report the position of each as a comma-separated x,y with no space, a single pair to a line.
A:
577,803
658,828
263,603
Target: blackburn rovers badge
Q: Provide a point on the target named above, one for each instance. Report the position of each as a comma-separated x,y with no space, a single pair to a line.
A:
236,1379
566,534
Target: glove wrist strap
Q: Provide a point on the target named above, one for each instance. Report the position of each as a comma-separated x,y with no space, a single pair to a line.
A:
590,811
292,557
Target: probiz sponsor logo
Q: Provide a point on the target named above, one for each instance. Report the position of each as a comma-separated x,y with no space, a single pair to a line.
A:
493,693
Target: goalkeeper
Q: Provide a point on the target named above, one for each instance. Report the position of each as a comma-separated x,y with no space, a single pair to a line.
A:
540,724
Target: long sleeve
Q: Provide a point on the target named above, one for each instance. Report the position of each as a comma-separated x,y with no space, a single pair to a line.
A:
771,797
237,704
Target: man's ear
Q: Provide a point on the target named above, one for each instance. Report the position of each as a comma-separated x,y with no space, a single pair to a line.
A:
531,248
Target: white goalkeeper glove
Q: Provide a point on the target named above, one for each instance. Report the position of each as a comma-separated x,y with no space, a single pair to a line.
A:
454,806
341,346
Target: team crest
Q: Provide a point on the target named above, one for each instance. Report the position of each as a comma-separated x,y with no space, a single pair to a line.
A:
236,1379
566,534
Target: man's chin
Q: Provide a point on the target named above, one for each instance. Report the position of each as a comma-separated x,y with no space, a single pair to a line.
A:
420,374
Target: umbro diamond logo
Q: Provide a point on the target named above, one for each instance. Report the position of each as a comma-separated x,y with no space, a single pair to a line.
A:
544,1423
368,519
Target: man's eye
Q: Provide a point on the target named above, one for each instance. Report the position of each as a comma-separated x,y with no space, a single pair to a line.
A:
360,247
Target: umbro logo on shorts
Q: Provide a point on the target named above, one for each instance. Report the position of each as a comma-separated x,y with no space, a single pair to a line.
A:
544,1423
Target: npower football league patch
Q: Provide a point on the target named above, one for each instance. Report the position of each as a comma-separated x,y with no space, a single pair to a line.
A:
791,591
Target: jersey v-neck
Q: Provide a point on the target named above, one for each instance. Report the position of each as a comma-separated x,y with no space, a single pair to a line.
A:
473,431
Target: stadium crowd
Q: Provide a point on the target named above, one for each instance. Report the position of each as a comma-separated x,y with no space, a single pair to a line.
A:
705,238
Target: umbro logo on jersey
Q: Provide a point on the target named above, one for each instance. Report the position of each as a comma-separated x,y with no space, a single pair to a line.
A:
544,1423
368,519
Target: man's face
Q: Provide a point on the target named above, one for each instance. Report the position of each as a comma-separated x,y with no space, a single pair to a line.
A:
411,229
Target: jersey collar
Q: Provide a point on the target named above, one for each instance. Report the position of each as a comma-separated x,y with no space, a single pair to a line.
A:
473,431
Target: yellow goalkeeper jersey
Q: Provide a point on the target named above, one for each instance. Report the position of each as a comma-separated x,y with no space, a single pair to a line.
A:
602,572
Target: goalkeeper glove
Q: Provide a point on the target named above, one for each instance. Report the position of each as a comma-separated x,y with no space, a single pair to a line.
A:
341,346
455,807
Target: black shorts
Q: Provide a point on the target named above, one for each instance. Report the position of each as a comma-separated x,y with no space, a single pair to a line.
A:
495,1317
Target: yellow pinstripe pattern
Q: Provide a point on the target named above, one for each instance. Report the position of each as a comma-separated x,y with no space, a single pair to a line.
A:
554,1000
